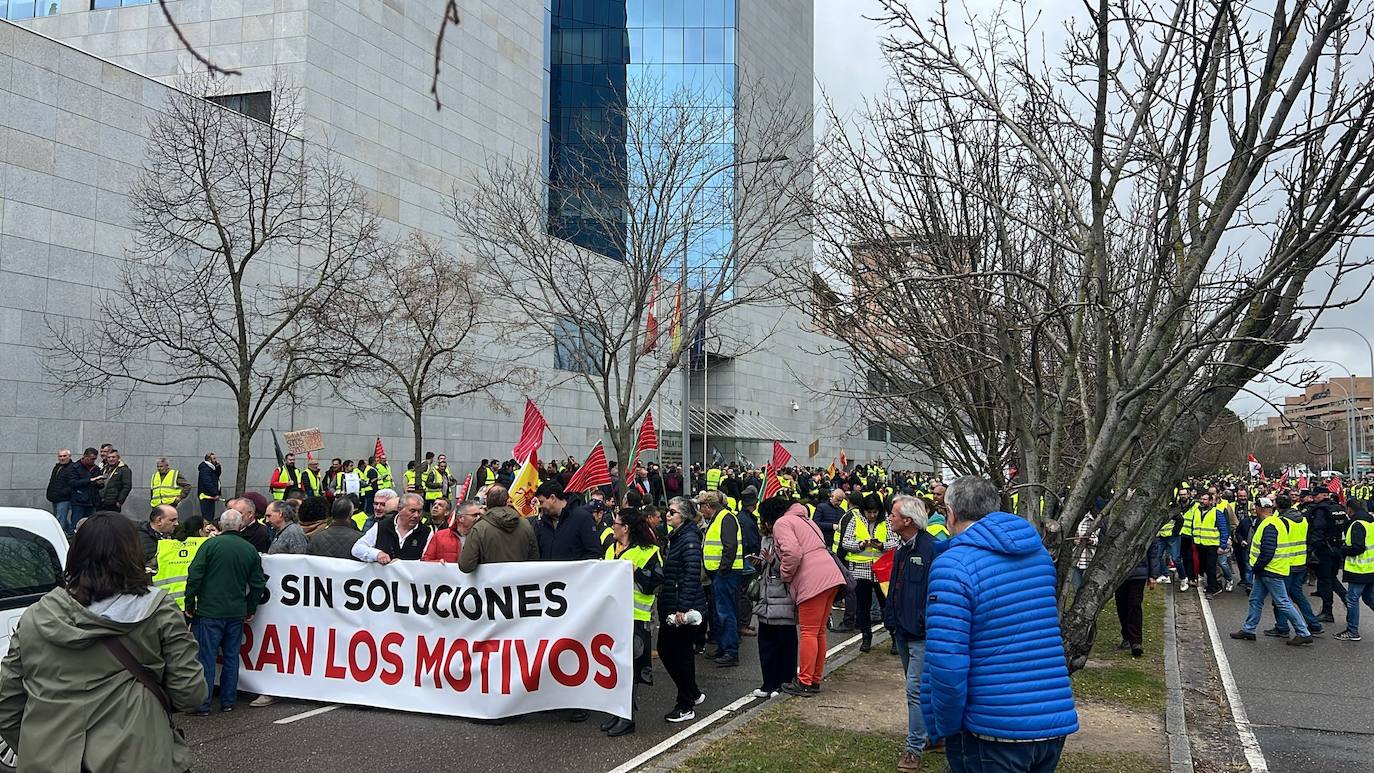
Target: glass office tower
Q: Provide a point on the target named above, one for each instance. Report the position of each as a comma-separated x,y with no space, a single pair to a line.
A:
605,54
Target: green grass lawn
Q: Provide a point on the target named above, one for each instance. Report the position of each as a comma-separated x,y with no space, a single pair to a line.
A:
1113,675
782,740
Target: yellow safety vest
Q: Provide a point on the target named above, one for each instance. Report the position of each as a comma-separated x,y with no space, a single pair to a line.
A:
1167,530
713,477
861,534
434,484
359,519
310,482
607,535
731,503
173,559
1364,562
938,530
713,549
1293,543
283,474
644,602
165,490
365,482
383,476
1189,517
1278,564
1205,531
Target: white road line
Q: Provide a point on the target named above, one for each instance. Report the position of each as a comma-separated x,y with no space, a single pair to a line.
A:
702,724
1253,754
306,714
831,652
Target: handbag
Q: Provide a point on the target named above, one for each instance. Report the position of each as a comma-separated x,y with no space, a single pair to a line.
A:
755,589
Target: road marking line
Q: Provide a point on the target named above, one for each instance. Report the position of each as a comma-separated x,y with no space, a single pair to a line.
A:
1253,754
831,652
702,724
306,714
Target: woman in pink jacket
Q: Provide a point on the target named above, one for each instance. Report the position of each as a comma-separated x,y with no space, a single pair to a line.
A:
812,578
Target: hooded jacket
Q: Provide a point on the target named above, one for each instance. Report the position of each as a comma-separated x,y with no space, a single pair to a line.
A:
994,661
66,703
499,535
682,567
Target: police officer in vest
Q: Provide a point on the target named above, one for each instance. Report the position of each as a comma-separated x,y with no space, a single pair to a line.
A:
1271,569
1358,550
723,556
401,537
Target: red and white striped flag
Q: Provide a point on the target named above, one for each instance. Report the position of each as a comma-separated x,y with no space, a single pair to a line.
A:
531,432
593,472
780,456
771,485
463,492
379,451
647,441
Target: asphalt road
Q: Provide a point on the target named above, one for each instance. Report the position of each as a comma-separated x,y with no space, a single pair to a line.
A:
1309,706
355,738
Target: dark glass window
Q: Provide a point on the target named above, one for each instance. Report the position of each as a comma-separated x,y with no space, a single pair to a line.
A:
877,432
29,567
97,5
577,348
257,104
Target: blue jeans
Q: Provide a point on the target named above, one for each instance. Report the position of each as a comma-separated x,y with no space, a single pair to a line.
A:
220,636
1293,585
62,511
967,753
79,512
1224,563
1355,592
1167,548
1266,585
913,657
724,587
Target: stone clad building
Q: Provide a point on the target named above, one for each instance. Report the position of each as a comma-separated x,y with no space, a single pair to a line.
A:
80,81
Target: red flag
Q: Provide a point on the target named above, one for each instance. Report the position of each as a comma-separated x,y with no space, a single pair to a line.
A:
882,567
844,462
647,441
531,432
379,451
651,322
1302,482
593,472
1283,480
1334,486
780,456
463,492
771,486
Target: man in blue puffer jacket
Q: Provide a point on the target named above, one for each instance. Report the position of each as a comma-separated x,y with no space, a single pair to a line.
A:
994,684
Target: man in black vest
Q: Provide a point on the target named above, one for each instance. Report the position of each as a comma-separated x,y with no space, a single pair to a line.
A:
401,537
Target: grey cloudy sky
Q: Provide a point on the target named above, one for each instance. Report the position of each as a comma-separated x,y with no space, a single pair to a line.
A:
850,66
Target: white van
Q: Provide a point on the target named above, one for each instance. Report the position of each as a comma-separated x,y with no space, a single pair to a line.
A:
33,550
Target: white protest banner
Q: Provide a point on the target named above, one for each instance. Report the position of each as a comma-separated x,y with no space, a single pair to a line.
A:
507,639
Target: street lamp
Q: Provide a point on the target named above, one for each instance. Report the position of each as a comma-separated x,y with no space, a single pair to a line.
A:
1363,445
686,365
1351,429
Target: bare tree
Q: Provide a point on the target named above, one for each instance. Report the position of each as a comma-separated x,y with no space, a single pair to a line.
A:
241,229
416,327
669,190
1081,260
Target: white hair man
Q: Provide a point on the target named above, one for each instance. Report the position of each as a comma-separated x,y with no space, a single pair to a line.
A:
401,536
906,603
223,586
384,502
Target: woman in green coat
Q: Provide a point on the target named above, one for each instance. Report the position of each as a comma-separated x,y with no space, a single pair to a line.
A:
66,702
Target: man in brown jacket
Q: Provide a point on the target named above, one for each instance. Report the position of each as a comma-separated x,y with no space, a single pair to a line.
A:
499,535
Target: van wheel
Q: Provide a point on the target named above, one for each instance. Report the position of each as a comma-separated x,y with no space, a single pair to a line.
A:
9,759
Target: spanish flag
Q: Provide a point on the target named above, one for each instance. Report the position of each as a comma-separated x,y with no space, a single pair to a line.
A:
523,487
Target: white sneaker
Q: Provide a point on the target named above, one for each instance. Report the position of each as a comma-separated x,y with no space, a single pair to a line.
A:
263,700
1230,586
1163,579
761,693
700,699
1183,584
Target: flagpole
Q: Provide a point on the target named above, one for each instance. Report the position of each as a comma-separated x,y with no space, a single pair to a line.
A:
705,381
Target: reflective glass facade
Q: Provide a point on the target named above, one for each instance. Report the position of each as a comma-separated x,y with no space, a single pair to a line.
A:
604,53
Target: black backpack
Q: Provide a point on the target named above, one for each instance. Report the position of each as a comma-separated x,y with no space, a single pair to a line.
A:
749,530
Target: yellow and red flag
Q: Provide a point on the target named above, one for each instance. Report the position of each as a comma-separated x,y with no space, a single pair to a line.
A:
523,487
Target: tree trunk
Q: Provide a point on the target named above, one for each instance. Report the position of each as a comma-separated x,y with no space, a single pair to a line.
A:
245,448
416,428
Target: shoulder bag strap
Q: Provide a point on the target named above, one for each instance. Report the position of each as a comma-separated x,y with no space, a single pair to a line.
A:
139,671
